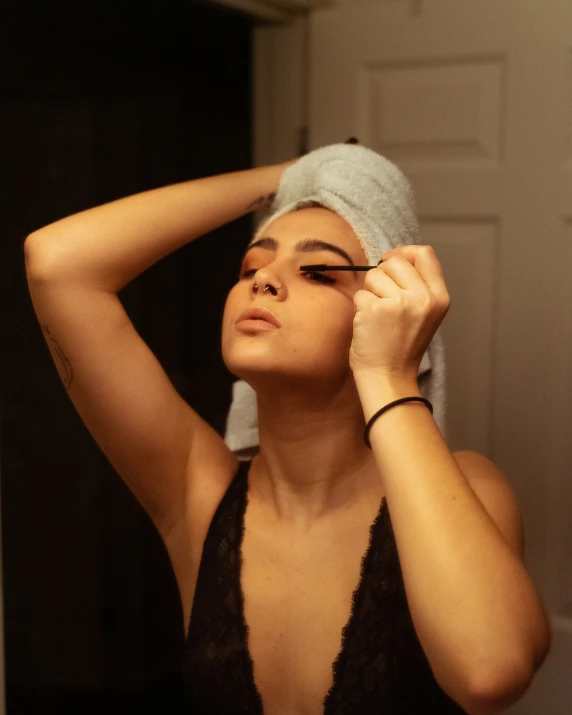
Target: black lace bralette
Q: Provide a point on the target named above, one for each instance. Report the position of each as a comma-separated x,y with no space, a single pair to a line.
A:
381,668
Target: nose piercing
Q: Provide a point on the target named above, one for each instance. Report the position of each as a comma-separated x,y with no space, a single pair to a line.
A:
267,287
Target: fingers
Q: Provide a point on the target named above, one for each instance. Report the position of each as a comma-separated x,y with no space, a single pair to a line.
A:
388,282
414,263
394,275
364,300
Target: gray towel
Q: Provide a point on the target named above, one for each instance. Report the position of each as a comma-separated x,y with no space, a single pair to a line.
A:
375,198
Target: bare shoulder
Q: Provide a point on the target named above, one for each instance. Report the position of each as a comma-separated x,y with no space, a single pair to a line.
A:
492,488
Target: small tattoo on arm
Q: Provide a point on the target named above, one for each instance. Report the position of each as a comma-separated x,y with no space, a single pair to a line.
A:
63,365
262,201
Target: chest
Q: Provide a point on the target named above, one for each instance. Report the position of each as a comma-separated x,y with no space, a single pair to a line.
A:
297,596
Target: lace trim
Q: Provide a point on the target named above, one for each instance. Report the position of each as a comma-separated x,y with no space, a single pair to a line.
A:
358,593
357,598
240,594
381,666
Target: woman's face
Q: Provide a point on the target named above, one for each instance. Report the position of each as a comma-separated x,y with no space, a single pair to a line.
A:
315,311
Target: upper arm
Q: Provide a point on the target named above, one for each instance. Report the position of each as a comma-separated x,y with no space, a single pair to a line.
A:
123,396
495,494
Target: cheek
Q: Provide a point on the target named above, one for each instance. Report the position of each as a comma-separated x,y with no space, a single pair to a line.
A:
231,303
330,326
230,309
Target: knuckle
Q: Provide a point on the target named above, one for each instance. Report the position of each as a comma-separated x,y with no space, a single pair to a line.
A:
401,303
428,301
440,303
369,280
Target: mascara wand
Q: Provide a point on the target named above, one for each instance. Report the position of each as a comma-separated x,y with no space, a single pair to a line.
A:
323,267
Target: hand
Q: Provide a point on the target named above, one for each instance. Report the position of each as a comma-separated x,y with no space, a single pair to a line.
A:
397,314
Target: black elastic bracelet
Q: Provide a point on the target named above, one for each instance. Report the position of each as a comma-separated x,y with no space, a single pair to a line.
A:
383,409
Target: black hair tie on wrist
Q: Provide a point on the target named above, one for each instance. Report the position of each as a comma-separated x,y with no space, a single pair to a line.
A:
384,409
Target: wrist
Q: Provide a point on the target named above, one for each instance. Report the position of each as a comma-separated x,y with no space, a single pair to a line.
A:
263,182
284,165
377,390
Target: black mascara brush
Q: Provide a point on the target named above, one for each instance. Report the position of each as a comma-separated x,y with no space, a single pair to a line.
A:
323,267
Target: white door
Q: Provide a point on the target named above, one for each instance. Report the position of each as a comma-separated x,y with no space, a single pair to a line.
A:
473,100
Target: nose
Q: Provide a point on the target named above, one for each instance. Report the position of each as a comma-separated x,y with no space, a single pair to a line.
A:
263,282
273,290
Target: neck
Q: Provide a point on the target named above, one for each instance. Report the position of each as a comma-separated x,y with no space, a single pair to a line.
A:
312,460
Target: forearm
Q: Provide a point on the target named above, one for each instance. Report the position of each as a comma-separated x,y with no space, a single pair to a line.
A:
471,599
108,246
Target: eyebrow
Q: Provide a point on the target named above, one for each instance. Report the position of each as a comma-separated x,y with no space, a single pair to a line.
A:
307,245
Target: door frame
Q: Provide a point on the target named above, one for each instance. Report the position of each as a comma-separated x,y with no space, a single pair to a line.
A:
280,91
271,10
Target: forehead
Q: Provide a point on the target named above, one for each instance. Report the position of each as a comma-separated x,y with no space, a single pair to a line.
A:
318,223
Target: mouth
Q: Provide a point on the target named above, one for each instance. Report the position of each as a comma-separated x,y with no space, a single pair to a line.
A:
258,315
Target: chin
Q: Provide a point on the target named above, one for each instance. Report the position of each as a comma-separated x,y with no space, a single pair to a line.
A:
248,360
270,376
253,371
251,359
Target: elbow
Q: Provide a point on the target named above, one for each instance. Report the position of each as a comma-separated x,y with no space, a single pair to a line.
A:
33,249
497,697
501,689
494,691
38,256
32,243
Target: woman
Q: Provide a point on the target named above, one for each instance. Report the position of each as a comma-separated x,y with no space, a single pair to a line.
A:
441,616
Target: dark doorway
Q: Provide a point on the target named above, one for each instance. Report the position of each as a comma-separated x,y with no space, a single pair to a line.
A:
100,101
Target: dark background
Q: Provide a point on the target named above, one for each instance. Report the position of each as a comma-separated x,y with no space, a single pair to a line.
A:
99,102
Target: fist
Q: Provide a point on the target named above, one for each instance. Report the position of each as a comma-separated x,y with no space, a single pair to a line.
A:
403,302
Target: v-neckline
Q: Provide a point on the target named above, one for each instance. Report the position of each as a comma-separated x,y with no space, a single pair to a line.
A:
357,597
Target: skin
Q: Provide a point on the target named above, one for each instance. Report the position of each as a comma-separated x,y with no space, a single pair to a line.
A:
313,463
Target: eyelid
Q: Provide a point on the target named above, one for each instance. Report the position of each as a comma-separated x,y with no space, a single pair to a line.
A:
333,258
303,259
314,276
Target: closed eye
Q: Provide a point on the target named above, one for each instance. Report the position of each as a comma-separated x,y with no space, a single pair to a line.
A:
314,276
318,277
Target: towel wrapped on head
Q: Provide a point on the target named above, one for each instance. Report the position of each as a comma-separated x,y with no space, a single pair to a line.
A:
374,197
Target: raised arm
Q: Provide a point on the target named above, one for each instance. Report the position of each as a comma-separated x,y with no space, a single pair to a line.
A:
108,246
75,268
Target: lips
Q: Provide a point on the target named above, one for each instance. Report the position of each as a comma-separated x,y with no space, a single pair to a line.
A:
259,314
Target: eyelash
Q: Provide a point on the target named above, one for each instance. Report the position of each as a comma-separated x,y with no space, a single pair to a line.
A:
312,275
